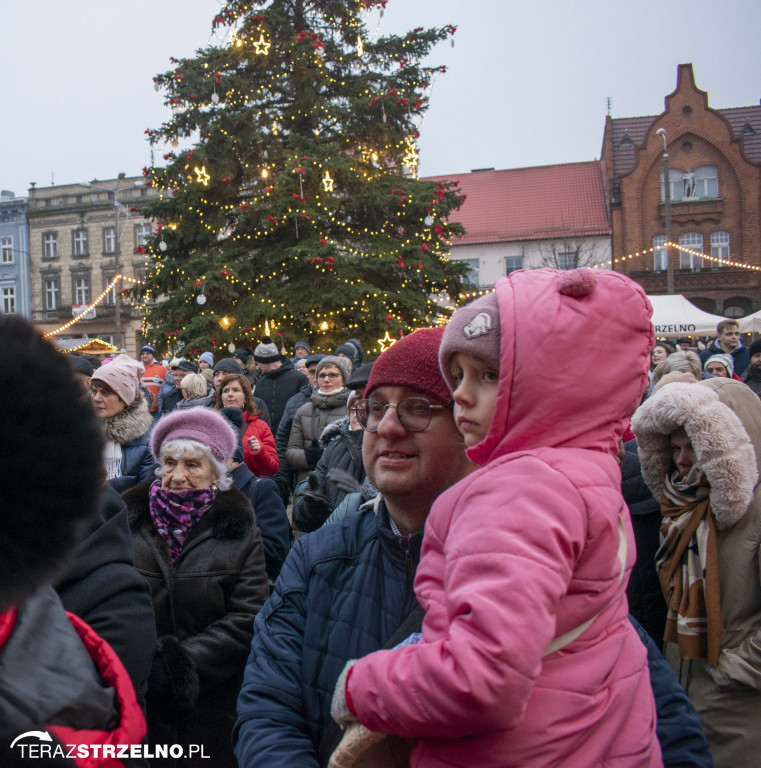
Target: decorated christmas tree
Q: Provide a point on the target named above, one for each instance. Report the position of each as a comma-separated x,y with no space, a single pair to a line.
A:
298,212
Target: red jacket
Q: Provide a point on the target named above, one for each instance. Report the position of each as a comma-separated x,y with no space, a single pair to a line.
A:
266,462
43,614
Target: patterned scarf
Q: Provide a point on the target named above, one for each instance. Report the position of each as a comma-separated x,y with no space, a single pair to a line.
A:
688,567
174,513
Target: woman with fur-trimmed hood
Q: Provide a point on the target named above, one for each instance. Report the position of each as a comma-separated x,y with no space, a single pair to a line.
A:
700,446
120,404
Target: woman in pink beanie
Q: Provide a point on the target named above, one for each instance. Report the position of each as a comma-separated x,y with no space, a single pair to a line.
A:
119,403
199,547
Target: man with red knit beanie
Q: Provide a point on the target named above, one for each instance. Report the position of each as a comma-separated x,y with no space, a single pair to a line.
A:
346,589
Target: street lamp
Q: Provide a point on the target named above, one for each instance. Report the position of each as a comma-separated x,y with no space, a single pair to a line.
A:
667,201
117,245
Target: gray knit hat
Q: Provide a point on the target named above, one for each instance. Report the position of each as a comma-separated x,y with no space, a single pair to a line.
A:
473,330
340,362
266,351
726,360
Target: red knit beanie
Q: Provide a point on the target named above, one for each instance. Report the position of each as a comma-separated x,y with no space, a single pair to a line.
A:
413,362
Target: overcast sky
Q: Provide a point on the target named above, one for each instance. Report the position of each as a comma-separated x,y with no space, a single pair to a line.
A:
527,83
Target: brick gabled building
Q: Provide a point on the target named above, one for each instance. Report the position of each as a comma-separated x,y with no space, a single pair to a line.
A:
715,183
551,215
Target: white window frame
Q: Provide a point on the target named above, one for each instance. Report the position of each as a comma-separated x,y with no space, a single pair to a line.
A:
473,277
52,292
706,182
693,241
50,245
6,248
660,253
142,233
109,239
79,242
81,290
720,247
511,261
676,179
9,299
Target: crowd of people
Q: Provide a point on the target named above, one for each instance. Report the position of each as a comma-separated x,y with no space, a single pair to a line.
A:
447,556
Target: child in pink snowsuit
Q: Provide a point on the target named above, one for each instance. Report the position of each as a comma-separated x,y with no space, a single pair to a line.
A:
527,657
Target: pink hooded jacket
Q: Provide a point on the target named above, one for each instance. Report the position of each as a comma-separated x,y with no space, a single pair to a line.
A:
533,545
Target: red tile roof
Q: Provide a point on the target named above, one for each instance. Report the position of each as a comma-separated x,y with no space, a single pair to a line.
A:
537,203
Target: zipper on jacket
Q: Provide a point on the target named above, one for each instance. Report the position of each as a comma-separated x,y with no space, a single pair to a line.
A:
409,579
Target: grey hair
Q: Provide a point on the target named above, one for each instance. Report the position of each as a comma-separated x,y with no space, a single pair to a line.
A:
194,385
184,448
686,362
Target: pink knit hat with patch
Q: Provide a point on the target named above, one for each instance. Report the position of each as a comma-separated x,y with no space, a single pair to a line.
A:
473,330
202,425
123,375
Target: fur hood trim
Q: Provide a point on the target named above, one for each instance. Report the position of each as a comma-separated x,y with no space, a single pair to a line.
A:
133,422
722,446
230,517
332,430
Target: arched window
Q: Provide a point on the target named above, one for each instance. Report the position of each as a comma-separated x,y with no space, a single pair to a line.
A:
706,182
693,241
676,177
737,306
719,247
659,253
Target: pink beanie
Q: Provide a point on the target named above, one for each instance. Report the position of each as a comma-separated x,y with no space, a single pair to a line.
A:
202,425
413,362
473,330
123,375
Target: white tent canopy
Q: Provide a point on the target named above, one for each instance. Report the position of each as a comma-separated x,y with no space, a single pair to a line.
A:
750,323
675,316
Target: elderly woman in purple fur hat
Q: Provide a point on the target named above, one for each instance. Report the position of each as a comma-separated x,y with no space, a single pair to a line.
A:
198,545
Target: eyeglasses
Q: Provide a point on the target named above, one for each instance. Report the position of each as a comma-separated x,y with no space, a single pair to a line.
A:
414,413
328,375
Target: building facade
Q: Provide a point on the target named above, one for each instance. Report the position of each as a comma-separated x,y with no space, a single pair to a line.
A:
714,160
524,218
80,237
15,294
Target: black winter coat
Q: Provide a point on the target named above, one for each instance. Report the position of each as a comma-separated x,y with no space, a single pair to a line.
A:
276,388
102,587
205,604
270,515
646,601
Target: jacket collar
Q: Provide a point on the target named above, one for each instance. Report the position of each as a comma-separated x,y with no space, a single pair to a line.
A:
133,422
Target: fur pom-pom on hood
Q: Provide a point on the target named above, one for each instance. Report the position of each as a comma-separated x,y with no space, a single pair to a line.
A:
722,444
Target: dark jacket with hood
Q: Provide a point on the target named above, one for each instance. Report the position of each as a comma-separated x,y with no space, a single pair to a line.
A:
286,475
102,587
343,452
308,424
270,515
276,388
740,355
646,601
752,377
342,593
204,604
130,428
58,676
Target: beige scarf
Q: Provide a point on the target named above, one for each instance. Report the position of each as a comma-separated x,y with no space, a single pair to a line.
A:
688,567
